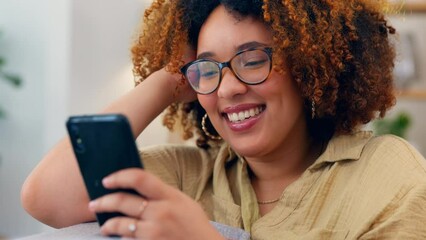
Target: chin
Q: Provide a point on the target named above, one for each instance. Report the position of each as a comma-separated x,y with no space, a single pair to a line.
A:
250,151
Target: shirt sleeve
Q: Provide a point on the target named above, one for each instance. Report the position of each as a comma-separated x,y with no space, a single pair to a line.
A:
186,168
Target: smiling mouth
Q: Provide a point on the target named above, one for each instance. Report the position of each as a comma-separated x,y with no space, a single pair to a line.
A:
236,117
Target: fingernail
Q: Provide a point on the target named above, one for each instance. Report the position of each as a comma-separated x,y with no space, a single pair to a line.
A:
106,181
92,205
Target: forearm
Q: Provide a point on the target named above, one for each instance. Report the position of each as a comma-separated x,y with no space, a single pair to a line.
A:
143,104
54,192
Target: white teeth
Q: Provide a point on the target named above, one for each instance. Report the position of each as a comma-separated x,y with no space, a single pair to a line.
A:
233,117
240,116
246,114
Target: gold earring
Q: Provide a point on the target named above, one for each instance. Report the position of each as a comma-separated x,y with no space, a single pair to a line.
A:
313,108
203,126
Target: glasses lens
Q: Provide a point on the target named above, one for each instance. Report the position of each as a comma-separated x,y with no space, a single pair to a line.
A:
203,76
252,66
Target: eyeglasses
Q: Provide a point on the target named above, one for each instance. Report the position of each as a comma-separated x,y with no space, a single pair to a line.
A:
251,66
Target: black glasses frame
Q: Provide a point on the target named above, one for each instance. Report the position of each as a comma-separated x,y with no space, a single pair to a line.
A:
267,50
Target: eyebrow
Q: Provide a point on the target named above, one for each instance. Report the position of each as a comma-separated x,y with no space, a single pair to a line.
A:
244,46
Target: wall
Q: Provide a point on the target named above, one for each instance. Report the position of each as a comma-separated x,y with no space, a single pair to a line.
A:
74,58
413,24
101,67
24,44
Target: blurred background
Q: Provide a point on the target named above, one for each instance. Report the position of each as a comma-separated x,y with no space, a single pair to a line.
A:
65,57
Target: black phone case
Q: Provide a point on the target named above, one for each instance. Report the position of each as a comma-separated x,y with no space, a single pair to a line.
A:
102,144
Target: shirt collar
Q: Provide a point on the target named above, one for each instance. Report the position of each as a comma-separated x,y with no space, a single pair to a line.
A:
339,148
343,148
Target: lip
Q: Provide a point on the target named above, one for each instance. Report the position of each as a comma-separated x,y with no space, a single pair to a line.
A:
241,107
245,124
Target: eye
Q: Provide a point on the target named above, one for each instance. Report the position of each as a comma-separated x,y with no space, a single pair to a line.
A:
252,59
254,63
208,70
208,74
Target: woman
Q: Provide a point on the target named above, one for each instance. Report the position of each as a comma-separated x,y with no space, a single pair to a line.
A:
277,92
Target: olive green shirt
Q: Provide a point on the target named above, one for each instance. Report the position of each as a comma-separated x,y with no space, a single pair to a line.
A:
361,187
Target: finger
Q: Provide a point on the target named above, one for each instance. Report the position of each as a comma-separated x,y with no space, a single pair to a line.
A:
143,182
122,226
130,227
128,204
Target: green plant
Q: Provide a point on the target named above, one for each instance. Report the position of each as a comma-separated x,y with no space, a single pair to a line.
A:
397,125
12,79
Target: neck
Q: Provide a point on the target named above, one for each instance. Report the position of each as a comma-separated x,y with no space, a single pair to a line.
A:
288,162
271,174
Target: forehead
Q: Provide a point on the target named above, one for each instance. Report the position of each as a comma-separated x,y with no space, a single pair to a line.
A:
224,32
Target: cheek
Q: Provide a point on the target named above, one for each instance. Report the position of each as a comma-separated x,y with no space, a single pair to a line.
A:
284,85
208,102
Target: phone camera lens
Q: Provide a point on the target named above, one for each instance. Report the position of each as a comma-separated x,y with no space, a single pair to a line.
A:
77,141
79,146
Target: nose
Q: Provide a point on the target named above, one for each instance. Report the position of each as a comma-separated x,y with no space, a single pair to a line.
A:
230,86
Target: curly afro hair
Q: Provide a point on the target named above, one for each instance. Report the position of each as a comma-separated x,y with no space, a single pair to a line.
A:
339,52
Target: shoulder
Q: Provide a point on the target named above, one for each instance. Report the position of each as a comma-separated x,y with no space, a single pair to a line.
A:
382,166
384,180
394,155
396,182
389,170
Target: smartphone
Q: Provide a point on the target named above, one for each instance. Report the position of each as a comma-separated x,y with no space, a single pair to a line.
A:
102,144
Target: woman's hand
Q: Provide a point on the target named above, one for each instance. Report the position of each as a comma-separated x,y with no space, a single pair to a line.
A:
163,213
182,91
